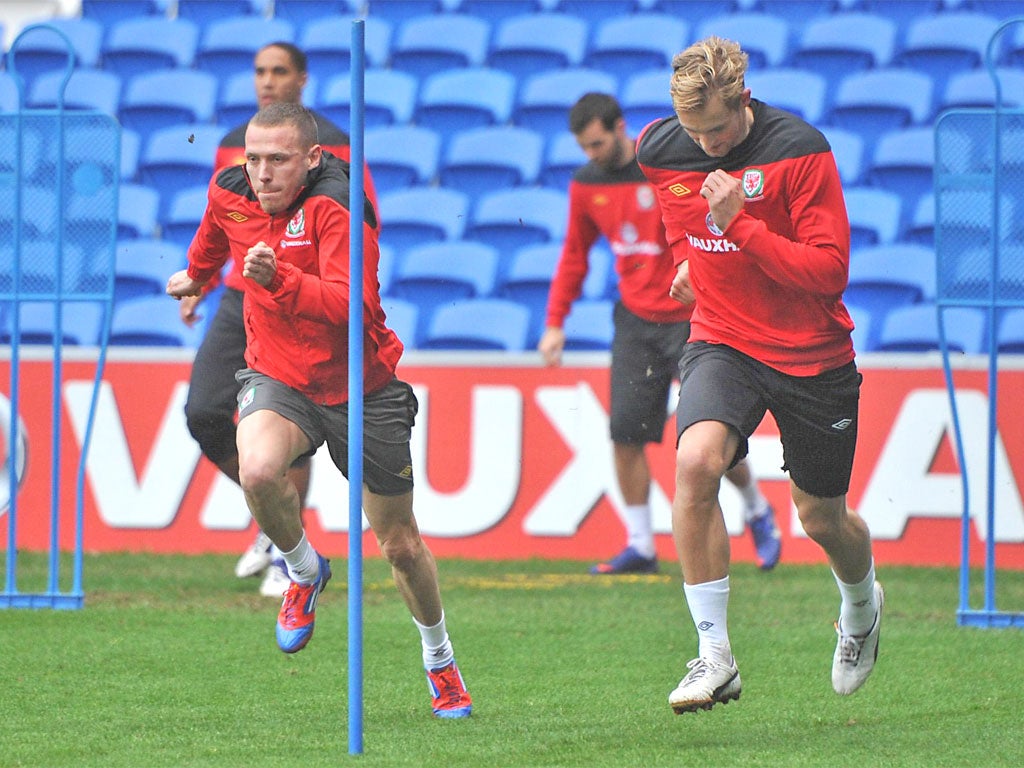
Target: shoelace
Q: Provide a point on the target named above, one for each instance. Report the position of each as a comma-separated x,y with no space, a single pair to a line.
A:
449,689
292,602
698,669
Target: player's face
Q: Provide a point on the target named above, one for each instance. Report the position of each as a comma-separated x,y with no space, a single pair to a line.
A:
277,164
716,128
602,146
276,77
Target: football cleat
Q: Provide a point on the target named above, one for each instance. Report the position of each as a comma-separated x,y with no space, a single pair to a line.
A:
767,539
256,558
298,610
856,654
706,684
275,579
449,697
627,561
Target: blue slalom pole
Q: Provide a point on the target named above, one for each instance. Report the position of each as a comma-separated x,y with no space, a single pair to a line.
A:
355,403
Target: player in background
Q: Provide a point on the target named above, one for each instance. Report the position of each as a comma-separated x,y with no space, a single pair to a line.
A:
610,196
290,245
280,75
754,212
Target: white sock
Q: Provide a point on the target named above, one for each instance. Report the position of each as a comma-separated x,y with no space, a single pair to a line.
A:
708,603
857,609
303,562
755,504
437,647
639,533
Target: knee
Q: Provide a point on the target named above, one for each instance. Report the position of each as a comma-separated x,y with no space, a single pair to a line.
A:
820,520
258,477
213,431
696,465
401,548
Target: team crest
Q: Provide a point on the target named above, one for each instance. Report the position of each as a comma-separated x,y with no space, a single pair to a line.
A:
753,183
628,233
712,227
644,197
297,226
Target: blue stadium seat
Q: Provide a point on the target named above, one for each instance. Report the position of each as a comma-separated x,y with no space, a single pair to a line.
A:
402,156
229,44
178,157
110,12
206,12
39,262
138,207
151,321
764,37
561,160
39,213
645,98
179,223
425,45
595,13
385,267
511,218
975,88
497,11
545,98
137,45
836,46
1010,332
863,323
903,163
945,43
875,216
921,229
236,102
801,91
85,89
403,318
29,156
880,100
438,274
525,45
142,267
80,323
481,159
43,50
589,326
480,324
131,149
848,150
622,45
154,100
967,219
457,99
397,11
916,329
902,12
8,93
327,42
799,15
699,9
420,215
389,97
300,12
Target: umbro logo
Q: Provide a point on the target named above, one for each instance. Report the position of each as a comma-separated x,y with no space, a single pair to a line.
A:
842,424
704,626
239,217
679,190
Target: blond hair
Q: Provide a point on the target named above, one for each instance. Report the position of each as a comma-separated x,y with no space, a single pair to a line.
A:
709,66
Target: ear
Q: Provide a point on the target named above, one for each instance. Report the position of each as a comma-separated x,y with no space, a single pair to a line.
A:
313,158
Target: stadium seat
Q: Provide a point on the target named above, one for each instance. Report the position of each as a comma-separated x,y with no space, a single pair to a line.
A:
481,324
545,98
39,265
481,159
902,12
8,93
420,215
151,321
327,42
765,38
438,274
300,12
916,329
80,322
848,150
622,45
800,91
838,45
206,12
43,50
144,44
402,156
798,15
645,98
457,99
154,100
902,163
389,98
229,44
143,266
131,149
237,100
425,45
921,229
967,219
589,326
497,11
397,11
875,216
561,160
862,325
525,45
138,207
110,12
85,89
595,13
178,157
944,43
975,88
39,214
403,318
1010,332
29,157
699,9
885,277
511,218
88,223
179,223
880,100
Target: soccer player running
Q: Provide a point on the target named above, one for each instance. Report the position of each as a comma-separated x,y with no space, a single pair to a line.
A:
610,196
755,215
279,75
283,218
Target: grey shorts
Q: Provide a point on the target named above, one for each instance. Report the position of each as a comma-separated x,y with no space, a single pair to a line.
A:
816,415
388,416
645,360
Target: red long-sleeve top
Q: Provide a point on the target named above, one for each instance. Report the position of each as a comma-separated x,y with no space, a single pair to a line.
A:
771,285
297,327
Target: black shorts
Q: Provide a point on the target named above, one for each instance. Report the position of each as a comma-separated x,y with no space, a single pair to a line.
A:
816,415
388,417
645,359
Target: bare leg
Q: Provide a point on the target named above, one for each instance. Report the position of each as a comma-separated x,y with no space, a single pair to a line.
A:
838,530
633,474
